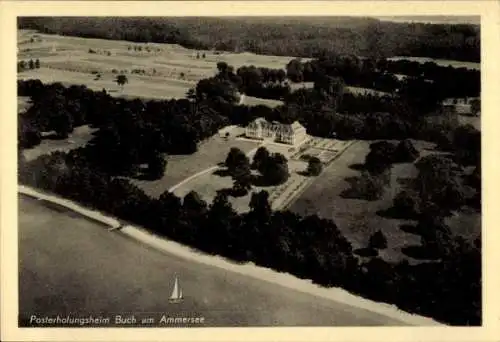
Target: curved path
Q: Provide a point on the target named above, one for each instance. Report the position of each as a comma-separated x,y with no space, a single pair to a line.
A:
207,170
110,273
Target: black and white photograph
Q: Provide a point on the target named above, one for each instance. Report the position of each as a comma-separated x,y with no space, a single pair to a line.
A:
249,171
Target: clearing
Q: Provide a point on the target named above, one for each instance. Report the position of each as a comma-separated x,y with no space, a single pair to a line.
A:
78,138
179,167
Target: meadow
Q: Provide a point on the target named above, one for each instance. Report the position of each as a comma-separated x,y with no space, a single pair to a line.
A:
169,70
358,218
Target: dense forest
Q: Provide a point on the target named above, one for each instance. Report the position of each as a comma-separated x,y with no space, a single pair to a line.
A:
300,37
447,289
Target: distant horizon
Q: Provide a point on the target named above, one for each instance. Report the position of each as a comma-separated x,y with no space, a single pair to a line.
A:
433,19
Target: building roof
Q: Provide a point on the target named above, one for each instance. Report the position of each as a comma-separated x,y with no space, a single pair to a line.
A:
288,128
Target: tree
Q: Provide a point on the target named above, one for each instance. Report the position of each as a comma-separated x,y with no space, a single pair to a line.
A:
203,56
31,64
237,161
275,170
241,186
62,124
367,186
37,64
475,106
380,157
295,70
157,165
222,67
378,240
121,80
439,182
260,158
405,152
259,204
218,234
314,166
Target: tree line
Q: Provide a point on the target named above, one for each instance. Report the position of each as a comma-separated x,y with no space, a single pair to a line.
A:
301,37
379,74
25,65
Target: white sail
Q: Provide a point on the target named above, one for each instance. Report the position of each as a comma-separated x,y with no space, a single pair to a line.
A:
175,292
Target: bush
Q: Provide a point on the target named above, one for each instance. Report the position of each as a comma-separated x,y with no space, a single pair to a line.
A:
380,157
157,166
314,166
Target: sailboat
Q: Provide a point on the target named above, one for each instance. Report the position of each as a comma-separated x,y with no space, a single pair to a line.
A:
176,295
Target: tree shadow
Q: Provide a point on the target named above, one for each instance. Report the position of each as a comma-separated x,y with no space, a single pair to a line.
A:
394,213
407,182
231,192
353,193
351,180
366,252
420,253
261,181
410,229
357,167
304,173
222,173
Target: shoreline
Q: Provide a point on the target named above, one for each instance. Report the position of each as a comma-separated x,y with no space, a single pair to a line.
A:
285,280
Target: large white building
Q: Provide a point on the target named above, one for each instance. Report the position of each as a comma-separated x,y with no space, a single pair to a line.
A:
261,129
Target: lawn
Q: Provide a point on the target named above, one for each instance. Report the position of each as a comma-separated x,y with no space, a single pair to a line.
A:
207,185
357,218
255,101
79,138
179,167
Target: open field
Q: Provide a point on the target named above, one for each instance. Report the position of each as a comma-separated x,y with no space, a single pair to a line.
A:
440,62
79,138
137,87
470,120
170,70
357,218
